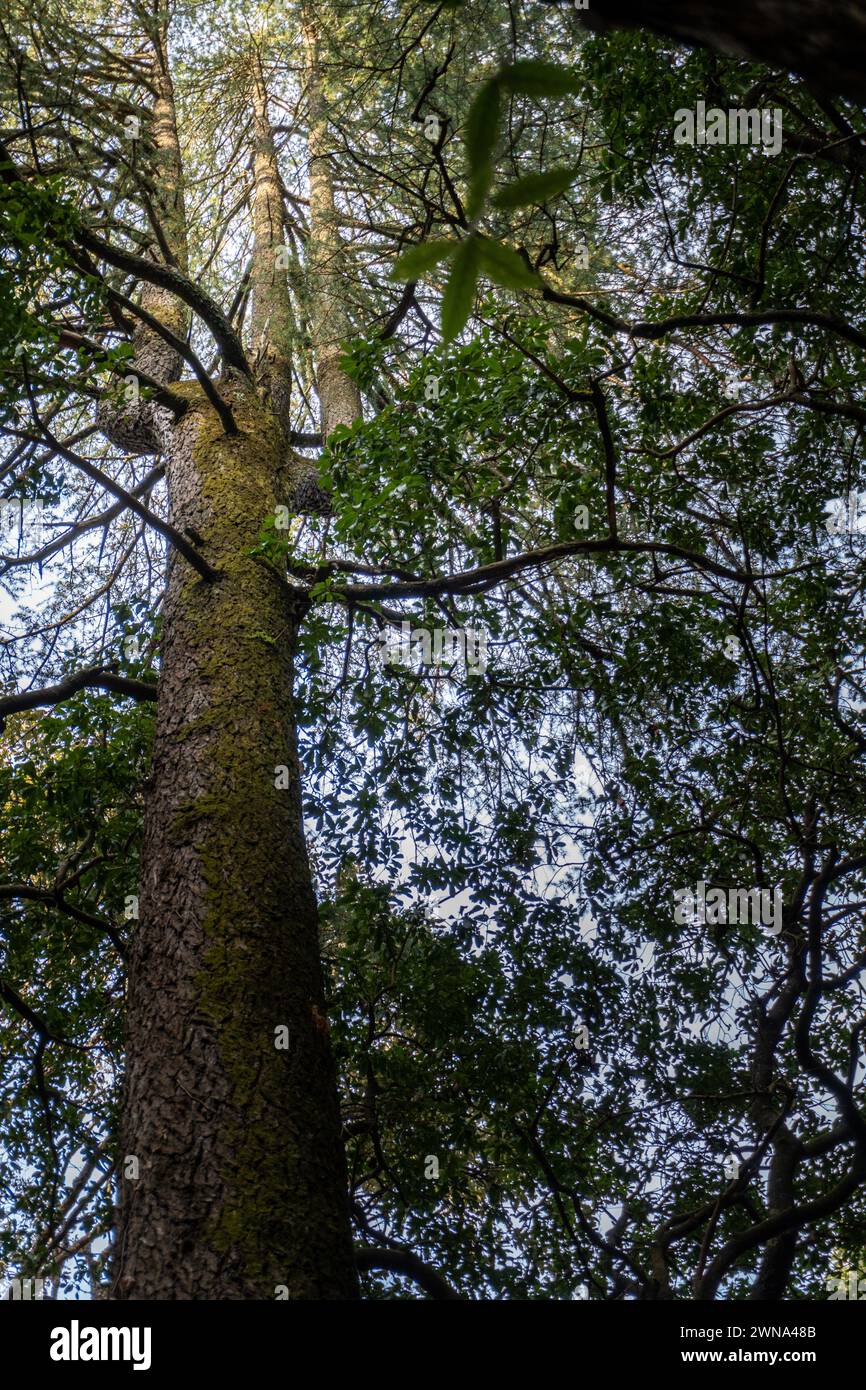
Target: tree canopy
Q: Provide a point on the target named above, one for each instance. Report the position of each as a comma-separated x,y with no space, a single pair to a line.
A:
611,432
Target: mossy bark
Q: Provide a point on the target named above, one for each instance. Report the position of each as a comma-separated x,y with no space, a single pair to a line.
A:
241,1182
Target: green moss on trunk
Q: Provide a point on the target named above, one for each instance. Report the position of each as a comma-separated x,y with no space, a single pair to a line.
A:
227,948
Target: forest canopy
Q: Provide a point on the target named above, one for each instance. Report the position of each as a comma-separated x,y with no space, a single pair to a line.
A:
432,564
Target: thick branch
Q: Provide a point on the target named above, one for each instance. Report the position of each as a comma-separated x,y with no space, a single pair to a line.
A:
166,277
222,408
487,576
408,1263
92,677
163,395
27,893
732,318
793,1218
171,534
21,1007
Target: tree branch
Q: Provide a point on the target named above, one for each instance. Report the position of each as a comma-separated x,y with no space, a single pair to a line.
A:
163,395
96,677
487,576
25,891
408,1263
167,277
730,318
171,534
14,999
222,408
821,43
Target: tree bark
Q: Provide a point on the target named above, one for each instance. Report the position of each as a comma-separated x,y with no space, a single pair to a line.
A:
272,321
242,1183
339,398
824,42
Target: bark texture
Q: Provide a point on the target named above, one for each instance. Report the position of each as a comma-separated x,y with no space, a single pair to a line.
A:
339,398
242,1183
272,321
823,42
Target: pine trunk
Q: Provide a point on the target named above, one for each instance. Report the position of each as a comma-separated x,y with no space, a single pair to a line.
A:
241,1186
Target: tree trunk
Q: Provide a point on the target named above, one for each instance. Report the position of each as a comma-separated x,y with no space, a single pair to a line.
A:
242,1183
272,321
339,397
140,427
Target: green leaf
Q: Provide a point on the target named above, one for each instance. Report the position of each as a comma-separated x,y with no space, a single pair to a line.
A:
535,79
460,290
479,187
482,128
536,188
505,266
418,259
